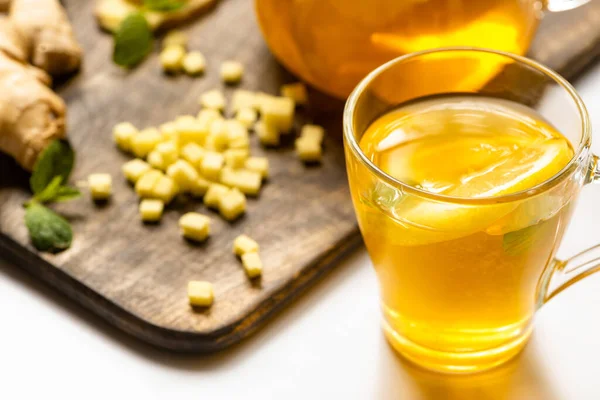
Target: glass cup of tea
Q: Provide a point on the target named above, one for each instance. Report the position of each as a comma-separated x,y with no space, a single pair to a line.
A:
463,186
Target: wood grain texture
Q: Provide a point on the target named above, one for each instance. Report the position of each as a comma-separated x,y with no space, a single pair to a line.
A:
135,275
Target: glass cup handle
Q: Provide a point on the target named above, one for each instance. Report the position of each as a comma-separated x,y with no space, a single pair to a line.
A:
563,5
560,274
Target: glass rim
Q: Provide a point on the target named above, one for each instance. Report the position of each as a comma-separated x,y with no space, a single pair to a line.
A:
352,143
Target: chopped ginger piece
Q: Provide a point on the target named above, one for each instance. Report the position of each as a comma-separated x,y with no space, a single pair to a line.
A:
218,138
308,150
258,164
261,98
200,293
123,133
246,116
213,99
232,71
248,182
145,184
194,226
145,141
199,187
184,174
252,264
236,130
236,158
313,132
165,189
168,151
244,244
193,153
169,132
211,165
175,38
213,194
134,169
243,99
190,129
295,91
171,58
206,117
194,63
151,210
232,204
100,186
278,112
155,159
267,134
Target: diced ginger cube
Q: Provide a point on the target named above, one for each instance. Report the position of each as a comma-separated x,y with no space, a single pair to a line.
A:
243,99
194,63
213,195
145,141
193,153
190,130
241,142
169,132
313,132
171,58
267,134
175,38
308,150
200,293
232,71
206,116
211,165
246,116
169,152
279,112
261,98
151,210
232,204
165,189
194,226
252,264
236,158
155,159
213,99
134,169
258,164
236,130
295,91
183,174
219,137
244,244
145,184
199,187
100,186
248,182
123,133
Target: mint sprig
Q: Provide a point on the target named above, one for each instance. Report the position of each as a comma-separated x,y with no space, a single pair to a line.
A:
133,40
49,231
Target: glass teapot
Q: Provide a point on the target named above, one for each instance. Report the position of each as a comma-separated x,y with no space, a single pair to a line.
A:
333,44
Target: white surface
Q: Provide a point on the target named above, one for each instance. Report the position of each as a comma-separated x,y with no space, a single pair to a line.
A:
326,345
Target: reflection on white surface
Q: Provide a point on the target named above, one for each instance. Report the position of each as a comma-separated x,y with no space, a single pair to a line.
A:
326,345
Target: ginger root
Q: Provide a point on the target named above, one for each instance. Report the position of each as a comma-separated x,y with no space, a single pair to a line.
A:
110,13
45,28
31,114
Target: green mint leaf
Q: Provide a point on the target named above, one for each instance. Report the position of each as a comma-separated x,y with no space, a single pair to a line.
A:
133,40
66,193
50,191
48,231
56,160
163,5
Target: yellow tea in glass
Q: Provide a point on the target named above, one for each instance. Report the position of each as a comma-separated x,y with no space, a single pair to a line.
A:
462,199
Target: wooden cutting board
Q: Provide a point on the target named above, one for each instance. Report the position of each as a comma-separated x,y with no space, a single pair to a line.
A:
135,275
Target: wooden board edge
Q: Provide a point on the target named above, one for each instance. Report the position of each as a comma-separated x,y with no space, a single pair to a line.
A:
166,338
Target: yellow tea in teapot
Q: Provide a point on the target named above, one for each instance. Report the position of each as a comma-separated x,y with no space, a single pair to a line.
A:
333,44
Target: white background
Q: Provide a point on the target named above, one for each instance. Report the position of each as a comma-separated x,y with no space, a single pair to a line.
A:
328,344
